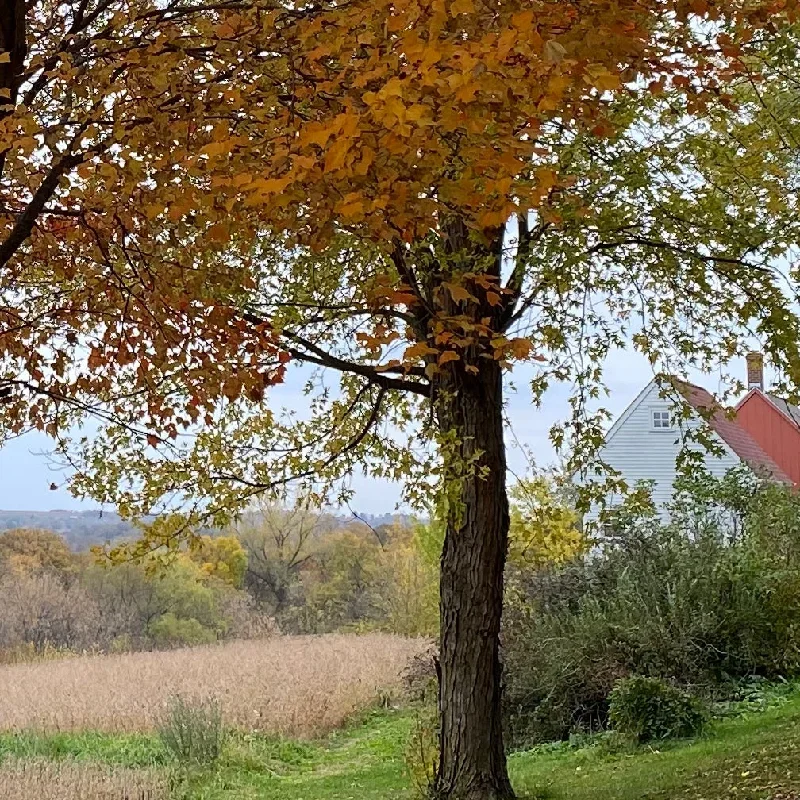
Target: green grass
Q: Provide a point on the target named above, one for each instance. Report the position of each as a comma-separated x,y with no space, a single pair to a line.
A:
362,762
131,750
750,757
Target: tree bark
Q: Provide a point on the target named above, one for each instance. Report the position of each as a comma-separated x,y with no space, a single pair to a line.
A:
12,41
472,763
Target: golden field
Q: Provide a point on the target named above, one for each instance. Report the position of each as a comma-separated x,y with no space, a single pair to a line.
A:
50,780
300,686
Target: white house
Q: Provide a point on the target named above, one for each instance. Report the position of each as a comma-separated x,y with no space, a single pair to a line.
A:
645,441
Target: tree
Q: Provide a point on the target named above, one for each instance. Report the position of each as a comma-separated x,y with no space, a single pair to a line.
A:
413,195
35,549
544,527
409,580
152,603
341,587
220,557
278,542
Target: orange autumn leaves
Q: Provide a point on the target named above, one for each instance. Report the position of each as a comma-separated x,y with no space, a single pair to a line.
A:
383,115
455,329
172,139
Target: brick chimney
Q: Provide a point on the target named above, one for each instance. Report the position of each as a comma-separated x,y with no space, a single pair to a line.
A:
755,371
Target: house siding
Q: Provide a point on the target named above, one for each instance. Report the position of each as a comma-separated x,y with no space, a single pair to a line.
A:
777,436
640,452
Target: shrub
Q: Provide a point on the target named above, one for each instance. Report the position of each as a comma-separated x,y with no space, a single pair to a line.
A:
422,751
44,611
171,631
420,677
644,709
192,731
701,602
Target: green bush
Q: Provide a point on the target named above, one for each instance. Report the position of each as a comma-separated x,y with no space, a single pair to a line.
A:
171,631
644,709
192,731
422,751
707,601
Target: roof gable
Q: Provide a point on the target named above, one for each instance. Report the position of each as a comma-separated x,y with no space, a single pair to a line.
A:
733,434
626,414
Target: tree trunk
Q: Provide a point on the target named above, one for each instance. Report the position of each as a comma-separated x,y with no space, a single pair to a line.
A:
472,758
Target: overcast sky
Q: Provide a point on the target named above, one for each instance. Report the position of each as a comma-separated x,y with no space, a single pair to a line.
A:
26,472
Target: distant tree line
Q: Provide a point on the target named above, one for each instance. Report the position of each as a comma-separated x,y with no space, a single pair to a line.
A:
278,570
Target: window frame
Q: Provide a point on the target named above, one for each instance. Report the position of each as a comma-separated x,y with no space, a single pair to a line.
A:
661,413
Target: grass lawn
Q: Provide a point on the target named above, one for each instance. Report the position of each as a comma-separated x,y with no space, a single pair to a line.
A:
747,758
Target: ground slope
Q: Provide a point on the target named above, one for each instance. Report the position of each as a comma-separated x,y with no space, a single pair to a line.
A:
751,757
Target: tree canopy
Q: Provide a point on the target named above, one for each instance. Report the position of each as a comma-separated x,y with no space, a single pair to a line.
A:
171,173
414,194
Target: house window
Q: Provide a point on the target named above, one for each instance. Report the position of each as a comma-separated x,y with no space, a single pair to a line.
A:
661,420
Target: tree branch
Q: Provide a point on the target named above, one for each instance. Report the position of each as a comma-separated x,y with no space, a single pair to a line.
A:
317,355
313,354
24,224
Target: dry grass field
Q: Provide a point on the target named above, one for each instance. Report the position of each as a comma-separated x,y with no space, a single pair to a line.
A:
300,686
50,780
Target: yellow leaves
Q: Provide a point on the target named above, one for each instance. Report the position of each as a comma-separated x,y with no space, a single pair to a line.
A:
417,112
519,348
544,530
352,207
462,7
336,155
315,133
179,207
523,20
418,351
380,337
522,348
264,188
107,170
554,94
362,166
601,78
241,180
222,147
546,179
490,219
392,88
459,293
505,43
400,295
467,93
385,114
448,355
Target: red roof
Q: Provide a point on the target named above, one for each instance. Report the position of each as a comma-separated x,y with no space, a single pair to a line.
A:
775,425
733,434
